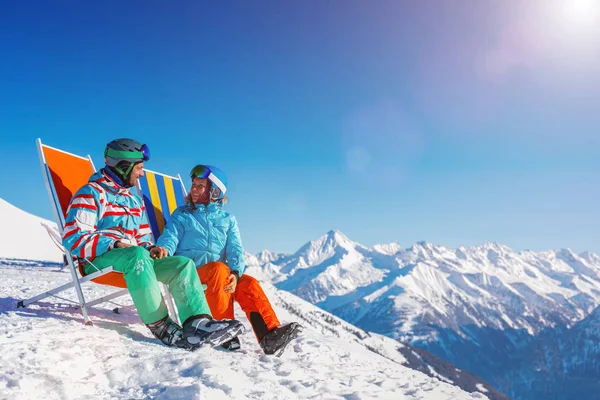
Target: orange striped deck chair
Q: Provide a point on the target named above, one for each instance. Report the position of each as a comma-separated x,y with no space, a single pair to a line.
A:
64,173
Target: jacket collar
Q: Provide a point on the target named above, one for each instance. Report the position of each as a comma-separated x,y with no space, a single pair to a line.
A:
109,182
211,207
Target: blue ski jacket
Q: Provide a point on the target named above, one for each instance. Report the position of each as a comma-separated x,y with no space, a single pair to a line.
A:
101,213
204,234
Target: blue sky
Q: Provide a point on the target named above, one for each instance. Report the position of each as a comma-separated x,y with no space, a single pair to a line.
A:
452,122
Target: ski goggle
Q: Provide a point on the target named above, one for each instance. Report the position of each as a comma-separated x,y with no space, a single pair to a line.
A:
200,171
143,154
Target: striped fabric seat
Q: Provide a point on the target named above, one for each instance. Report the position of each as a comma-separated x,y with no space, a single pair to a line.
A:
162,194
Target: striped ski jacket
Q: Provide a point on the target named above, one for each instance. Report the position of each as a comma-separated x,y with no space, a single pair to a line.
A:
101,213
204,234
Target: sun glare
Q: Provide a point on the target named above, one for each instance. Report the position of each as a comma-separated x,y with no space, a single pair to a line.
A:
580,13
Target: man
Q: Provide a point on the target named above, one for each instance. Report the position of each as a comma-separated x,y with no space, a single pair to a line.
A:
106,225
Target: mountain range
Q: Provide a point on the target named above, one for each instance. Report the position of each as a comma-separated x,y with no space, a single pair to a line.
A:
488,309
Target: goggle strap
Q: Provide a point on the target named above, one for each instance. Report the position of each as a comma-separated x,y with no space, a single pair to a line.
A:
214,179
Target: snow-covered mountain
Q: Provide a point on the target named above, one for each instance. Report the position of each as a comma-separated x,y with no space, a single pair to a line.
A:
47,351
23,236
477,307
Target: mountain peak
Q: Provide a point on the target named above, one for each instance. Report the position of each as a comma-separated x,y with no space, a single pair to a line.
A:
265,255
326,245
424,244
498,247
336,233
336,238
423,247
590,257
388,248
333,237
567,252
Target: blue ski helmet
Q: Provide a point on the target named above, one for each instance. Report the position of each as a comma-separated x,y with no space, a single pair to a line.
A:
217,178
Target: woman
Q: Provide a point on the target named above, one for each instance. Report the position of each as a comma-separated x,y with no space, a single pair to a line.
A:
202,231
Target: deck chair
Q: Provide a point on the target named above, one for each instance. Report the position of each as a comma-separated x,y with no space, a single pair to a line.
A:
64,173
161,194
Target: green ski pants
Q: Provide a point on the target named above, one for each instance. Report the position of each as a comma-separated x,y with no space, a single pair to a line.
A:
142,274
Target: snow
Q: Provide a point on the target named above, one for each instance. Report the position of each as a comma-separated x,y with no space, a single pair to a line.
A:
47,352
23,235
481,388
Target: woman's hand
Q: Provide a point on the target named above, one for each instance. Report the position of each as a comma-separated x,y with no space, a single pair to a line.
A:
231,284
158,252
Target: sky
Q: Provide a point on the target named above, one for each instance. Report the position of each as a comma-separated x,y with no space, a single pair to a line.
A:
455,123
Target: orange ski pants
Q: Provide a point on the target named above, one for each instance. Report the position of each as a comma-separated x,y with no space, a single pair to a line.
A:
248,294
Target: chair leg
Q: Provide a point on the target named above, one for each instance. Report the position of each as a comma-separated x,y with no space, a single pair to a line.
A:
108,297
26,302
170,303
82,305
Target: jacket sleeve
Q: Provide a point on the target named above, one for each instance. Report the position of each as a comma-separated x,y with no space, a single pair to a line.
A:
172,234
80,236
234,249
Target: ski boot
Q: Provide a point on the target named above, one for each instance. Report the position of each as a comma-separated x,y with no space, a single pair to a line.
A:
275,341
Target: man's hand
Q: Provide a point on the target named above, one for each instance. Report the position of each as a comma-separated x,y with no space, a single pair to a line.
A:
120,245
231,284
158,252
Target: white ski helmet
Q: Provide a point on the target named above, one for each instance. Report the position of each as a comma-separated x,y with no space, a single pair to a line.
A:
216,177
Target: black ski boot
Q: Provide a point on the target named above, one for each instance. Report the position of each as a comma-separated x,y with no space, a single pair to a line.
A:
197,331
167,332
232,345
201,330
276,339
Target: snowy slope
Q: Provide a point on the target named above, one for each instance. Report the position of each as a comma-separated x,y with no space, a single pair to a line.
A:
48,353
23,235
407,355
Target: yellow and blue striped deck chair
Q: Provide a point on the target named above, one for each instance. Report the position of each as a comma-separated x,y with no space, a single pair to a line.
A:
162,194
